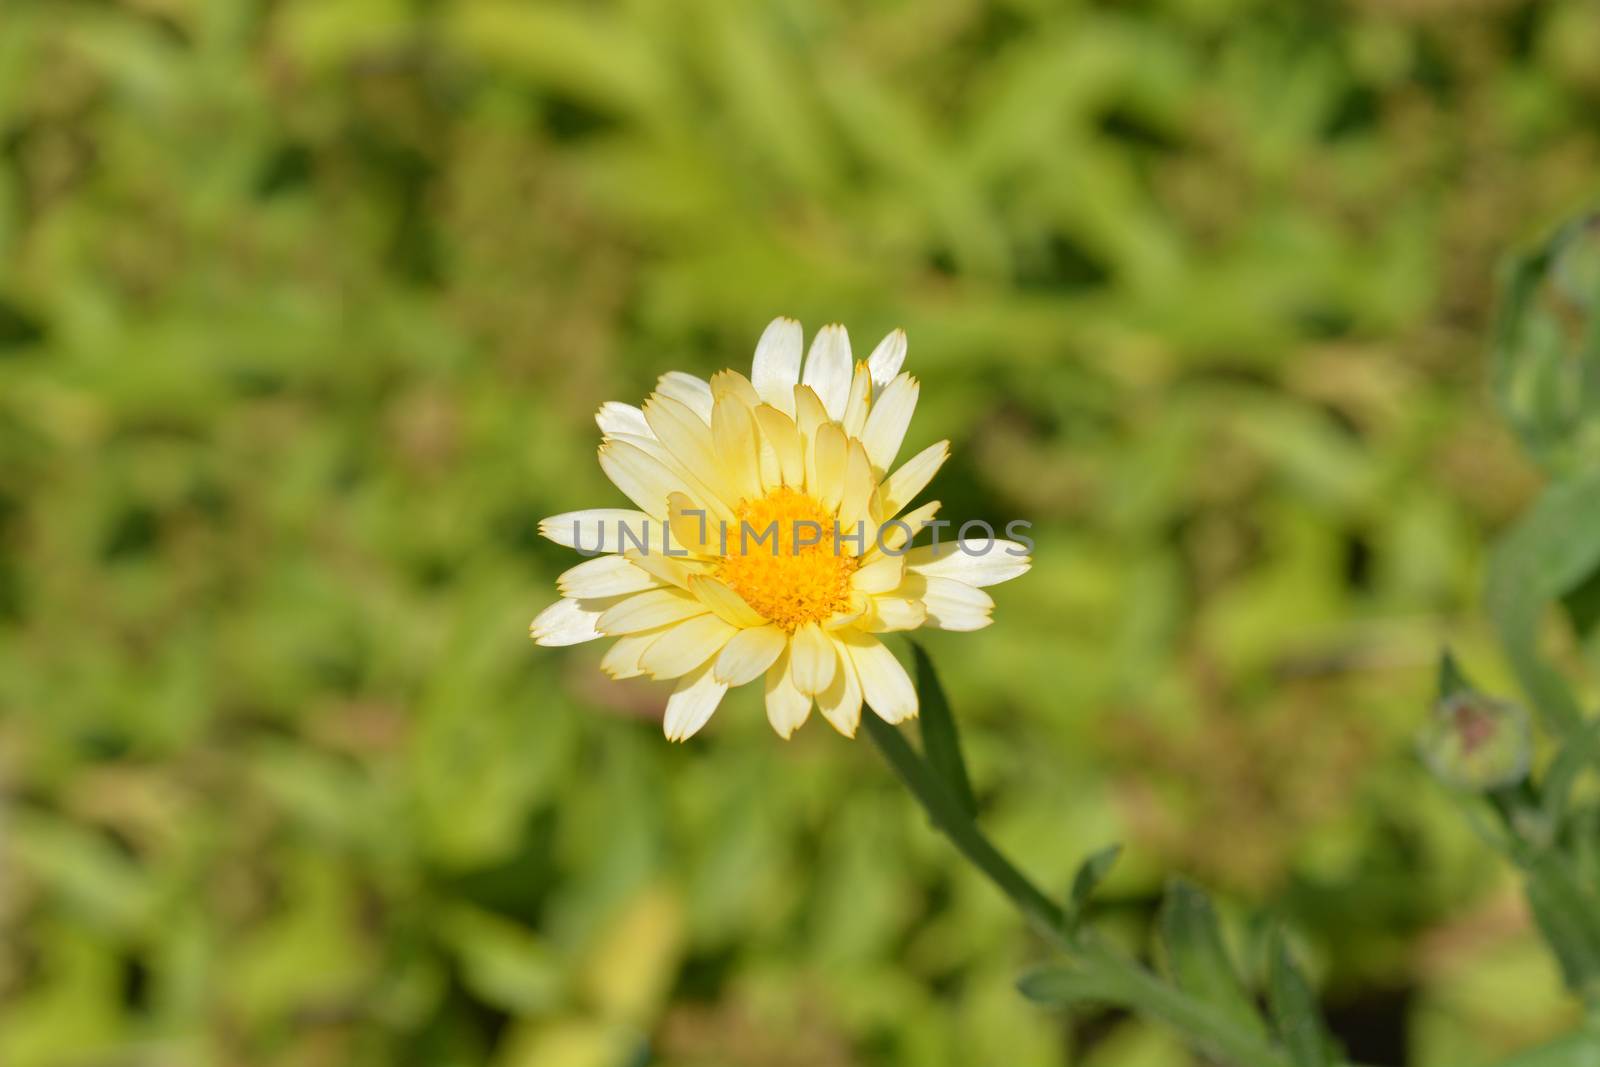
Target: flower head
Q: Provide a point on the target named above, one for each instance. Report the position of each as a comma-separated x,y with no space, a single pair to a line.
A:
771,538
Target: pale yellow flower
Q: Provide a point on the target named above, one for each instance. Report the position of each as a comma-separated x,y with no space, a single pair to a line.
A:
770,538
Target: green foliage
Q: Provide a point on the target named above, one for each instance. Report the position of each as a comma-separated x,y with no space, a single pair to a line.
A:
1294,1009
1197,958
304,310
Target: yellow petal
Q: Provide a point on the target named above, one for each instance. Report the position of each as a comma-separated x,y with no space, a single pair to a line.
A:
605,576
748,653
732,383
812,659
894,613
779,432
680,431
881,575
645,611
691,704
729,605
733,432
885,686
887,424
825,479
859,402
902,487
787,707
685,646
855,498
840,703
622,658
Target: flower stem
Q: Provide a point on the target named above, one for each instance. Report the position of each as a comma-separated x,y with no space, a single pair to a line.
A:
1124,980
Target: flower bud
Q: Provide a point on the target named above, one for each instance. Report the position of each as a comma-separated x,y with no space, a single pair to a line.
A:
1478,743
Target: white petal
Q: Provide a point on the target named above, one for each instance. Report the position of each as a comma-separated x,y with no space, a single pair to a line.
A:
828,367
953,605
776,367
748,653
617,417
604,576
787,707
840,703
645,611
685,646
885,685
691,704
902,487
598,529
974,561
689,390
886,358
887,424
566,622
812,659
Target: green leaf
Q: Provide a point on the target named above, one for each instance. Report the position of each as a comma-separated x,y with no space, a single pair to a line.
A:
1294,1009
1090,874
1551,553
1568,915
1061,984
941,744
1198,959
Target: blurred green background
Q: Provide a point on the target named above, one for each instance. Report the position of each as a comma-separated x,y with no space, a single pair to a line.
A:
305,308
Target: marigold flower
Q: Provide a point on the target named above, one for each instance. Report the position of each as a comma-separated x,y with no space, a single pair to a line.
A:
770,538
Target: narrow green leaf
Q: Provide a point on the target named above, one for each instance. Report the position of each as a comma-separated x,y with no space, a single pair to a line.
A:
941,744
1090,874
1198,959
1062,984
1294,1009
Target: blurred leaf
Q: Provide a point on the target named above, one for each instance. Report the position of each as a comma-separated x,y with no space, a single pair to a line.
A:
1091,872
1295,1013
941,741
1550,552
503,962
1199,960
1062,985
1568,913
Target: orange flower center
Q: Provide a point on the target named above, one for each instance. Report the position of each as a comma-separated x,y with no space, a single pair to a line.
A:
785,561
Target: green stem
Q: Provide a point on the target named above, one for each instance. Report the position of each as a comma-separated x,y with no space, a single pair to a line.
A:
1122,978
